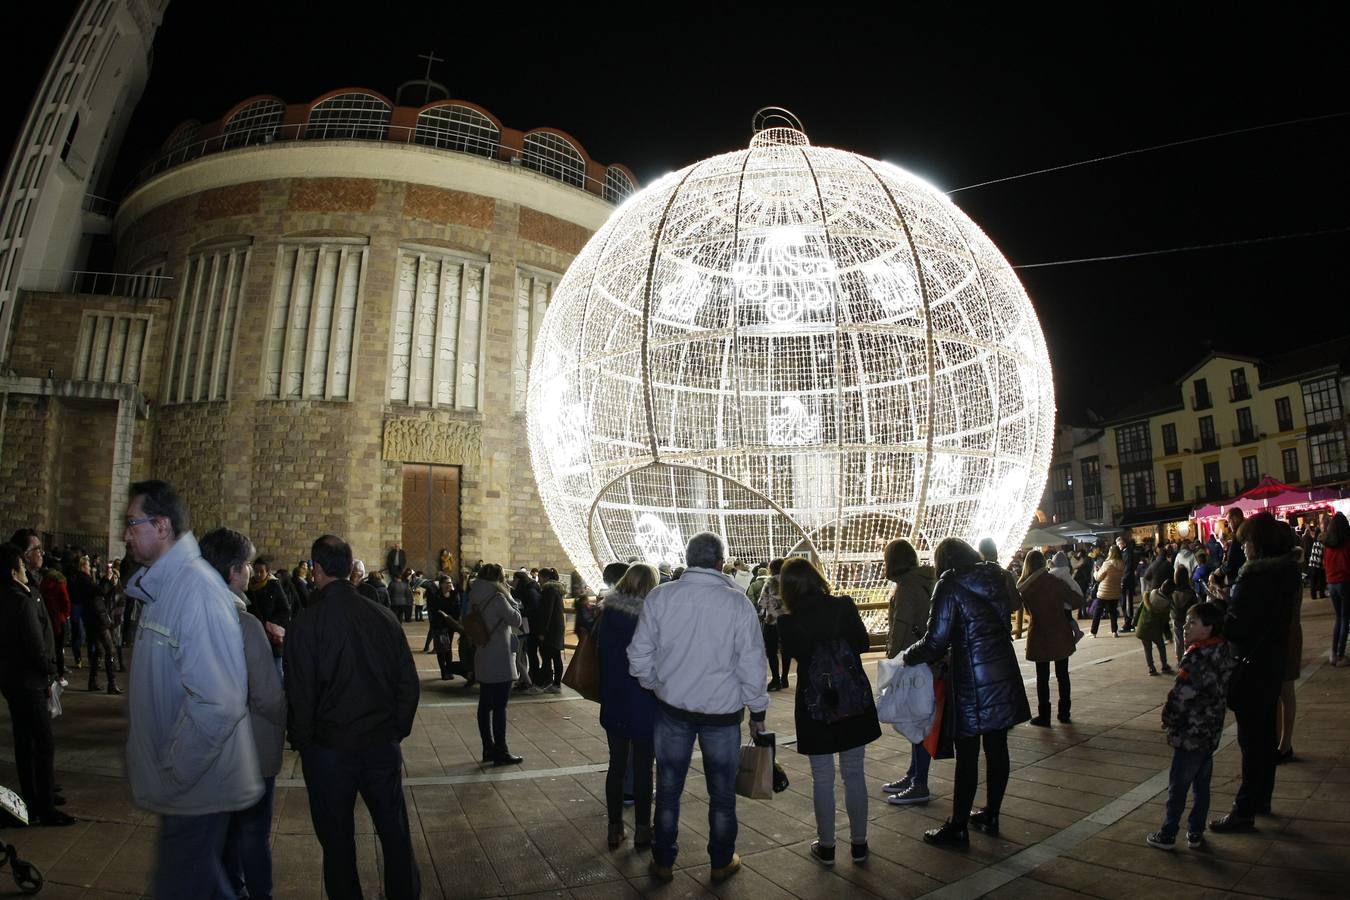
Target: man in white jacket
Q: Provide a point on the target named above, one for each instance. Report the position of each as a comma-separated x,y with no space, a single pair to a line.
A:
698,647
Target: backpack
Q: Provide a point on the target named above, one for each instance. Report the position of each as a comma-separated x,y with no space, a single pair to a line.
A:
1158,603
475,628
836,687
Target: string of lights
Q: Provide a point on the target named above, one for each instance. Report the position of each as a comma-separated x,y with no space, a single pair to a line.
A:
1214,246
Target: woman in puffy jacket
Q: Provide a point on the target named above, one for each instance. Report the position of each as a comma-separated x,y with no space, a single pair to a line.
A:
1108,577
1336,562
971,617
1050,602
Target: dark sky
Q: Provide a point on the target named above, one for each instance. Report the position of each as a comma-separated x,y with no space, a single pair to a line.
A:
957,99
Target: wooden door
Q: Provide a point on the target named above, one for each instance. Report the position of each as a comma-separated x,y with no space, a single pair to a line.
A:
430,514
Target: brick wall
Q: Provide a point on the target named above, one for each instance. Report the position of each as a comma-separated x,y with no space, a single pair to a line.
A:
84,465
23,487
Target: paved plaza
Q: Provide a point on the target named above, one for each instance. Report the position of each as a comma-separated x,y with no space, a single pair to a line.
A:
1081,799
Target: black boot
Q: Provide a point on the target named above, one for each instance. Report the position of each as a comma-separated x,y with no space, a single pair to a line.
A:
950,835
93,684
489,753
504,757
112,685
984,820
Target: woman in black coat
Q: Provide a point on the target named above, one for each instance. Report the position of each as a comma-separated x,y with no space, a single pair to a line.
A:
971,617
826,636
1260,608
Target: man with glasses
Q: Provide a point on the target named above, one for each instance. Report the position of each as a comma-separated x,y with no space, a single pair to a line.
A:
190,751
27,668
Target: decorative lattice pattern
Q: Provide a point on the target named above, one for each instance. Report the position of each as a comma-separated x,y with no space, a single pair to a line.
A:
254,123
346,116
799,348
456,127
551,155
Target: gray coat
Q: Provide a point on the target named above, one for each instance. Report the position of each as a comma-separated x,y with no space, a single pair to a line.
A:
496,662
266,699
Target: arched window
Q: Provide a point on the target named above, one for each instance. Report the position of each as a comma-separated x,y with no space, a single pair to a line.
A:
345,116
253,123
462,128
618,186
554,156
187,133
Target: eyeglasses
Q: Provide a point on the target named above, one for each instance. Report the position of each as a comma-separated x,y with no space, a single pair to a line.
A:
132,523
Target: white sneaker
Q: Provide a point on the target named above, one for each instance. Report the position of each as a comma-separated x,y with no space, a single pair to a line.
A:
552,689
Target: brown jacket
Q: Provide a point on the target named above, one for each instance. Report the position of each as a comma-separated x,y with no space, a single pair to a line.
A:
1050,636
910,603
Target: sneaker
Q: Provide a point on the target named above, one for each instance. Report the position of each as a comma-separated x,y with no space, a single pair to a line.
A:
660,872
1161,841
1195,839
1153,671
552,689
533,690
722,873
860,852
1232,822
1040,721
913,795
1167,670
898,787
822,855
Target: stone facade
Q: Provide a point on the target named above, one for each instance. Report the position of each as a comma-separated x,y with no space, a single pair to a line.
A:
285,471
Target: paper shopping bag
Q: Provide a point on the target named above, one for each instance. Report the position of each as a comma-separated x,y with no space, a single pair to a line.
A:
754,778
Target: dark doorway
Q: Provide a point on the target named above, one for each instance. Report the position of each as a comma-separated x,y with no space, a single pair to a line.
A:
430,515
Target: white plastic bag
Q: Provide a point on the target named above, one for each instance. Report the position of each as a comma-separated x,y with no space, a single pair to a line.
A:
889,706
54,699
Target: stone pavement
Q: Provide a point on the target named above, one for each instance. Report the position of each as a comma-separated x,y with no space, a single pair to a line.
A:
1081,799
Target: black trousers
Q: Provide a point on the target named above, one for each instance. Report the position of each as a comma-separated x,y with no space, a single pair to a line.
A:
771,649
492,700
997,767
532,654
551,666
34,748
1043,687
1254,708
333,778
101,643
644,755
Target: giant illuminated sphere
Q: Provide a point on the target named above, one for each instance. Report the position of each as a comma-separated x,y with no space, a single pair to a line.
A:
799,348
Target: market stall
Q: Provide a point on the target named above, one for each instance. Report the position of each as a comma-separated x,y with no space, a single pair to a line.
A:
1280,500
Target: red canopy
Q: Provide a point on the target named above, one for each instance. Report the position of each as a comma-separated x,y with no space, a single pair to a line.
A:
1266,488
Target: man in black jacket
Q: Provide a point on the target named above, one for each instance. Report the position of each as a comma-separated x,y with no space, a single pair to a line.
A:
351,688
27,666
1129,582
395,562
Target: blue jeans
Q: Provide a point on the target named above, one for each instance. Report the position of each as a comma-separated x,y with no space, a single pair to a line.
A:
191,857
919,761
1191,771
721,747
1338,633
333,778
855,794
248,859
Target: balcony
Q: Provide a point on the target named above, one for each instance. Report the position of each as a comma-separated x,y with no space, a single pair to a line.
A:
1206,443
1215,491
1239,392
1242,436
1201,401
110,284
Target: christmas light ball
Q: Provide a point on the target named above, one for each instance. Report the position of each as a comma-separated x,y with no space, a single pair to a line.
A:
801,349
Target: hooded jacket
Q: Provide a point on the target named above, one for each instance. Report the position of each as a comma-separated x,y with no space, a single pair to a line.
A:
495,662
1194,711
1050,636
190,747
971,617
1059,567
699,648
27,654
912,597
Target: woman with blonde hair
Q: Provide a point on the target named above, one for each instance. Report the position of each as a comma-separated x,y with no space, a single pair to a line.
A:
627,709
1109,577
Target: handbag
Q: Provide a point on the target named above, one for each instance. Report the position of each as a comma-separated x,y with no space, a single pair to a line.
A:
54,699
941,741
754,777
583,669
475,628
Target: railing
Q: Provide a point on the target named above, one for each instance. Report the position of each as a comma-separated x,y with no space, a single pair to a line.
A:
77,281
1201,401
1244,437
1206,442
353,130
99,206
1239,392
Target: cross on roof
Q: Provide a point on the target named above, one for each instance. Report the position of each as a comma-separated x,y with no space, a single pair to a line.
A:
430,57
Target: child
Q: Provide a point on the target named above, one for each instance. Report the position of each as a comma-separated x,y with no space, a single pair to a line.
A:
1193,720
1152,625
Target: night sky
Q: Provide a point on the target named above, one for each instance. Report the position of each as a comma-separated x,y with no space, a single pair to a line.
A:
959,100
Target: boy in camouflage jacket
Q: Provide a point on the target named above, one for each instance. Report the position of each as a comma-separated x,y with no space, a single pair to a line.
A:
1193,719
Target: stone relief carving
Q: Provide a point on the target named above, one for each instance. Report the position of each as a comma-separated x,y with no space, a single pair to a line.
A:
426,441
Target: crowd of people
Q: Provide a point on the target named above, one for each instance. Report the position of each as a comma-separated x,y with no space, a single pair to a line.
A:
233,658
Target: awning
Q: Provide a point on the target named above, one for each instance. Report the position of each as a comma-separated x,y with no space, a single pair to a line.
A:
1136,517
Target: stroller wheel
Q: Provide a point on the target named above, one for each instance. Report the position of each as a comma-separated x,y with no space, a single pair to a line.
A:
26,875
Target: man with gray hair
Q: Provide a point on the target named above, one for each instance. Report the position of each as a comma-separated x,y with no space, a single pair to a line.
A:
698,647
